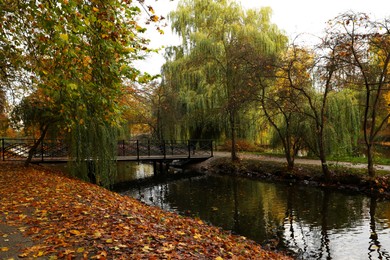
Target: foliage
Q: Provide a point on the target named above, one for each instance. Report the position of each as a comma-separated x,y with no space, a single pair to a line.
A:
71,219
93,163
212,70
78,55
33,112
363,52
242,145
284,95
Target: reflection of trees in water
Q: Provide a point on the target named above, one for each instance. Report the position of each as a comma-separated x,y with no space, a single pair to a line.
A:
291,241
302,238
312,214
324,249
375,249
309,221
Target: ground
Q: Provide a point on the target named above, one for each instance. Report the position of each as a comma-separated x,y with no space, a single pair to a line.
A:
345,176
47,215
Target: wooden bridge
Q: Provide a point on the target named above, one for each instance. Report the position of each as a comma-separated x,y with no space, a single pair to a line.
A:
52,151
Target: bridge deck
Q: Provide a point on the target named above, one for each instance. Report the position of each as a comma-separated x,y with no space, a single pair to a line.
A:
52,151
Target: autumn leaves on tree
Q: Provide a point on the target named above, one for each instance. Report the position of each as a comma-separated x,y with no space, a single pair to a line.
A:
234,76
75,58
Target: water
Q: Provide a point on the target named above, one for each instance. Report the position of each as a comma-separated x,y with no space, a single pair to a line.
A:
314,223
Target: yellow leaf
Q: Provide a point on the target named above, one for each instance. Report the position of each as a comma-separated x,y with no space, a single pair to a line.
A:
146,248
218,258
75,232
95,9
64,37
97,234
72,86
109,241
4,249
151,9
80,250
197,236
154,18
39,254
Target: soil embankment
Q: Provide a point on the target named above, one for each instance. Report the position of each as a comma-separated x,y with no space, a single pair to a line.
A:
345,176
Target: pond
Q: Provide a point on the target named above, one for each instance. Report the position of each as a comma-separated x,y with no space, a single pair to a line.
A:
311,222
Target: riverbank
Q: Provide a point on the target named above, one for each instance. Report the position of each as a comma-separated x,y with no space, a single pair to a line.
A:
47,215
345,176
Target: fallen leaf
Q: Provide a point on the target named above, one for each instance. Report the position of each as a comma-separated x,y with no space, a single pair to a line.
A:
75,232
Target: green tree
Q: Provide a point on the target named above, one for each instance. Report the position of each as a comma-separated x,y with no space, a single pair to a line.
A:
36,118
210,68
78,54
282,96
308,107
363,48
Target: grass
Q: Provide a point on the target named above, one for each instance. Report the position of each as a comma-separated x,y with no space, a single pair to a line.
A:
380,159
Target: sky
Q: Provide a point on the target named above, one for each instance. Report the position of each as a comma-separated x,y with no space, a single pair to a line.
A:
294,17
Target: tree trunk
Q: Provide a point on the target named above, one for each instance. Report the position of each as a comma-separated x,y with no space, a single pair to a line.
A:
290,161
233,136
370,162
33,149
324,165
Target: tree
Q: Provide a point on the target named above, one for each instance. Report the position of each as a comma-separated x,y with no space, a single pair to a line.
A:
304,104
210,67
78,54
282,96
36,117
363,48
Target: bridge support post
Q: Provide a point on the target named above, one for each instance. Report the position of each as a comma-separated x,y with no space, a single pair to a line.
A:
42,151
2,148
189,148
137,150
155,171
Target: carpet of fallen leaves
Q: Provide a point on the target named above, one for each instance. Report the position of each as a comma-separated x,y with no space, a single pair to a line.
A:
67,218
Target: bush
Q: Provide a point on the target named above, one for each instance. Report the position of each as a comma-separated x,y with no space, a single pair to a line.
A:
241,146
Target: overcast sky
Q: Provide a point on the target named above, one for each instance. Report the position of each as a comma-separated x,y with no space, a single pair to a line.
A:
292,16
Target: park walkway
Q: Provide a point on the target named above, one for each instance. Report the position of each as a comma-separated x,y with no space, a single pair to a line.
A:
298,161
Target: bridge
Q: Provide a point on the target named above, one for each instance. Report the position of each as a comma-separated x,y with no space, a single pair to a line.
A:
57,150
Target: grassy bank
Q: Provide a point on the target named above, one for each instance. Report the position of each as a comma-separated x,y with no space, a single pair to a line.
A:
343,178
47,215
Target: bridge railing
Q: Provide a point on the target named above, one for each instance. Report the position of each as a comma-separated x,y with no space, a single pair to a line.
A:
56,149
166,149
18,149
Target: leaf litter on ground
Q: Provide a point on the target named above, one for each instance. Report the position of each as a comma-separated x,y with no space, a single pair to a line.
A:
65,218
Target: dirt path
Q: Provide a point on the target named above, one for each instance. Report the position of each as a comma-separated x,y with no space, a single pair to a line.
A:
301,161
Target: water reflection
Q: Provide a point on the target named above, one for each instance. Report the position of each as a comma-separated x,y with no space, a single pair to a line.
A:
314,223
129,171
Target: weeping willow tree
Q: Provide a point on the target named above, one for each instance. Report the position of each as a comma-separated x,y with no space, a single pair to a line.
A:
344,125
77,56
94,149
212,71
108,45
342,128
